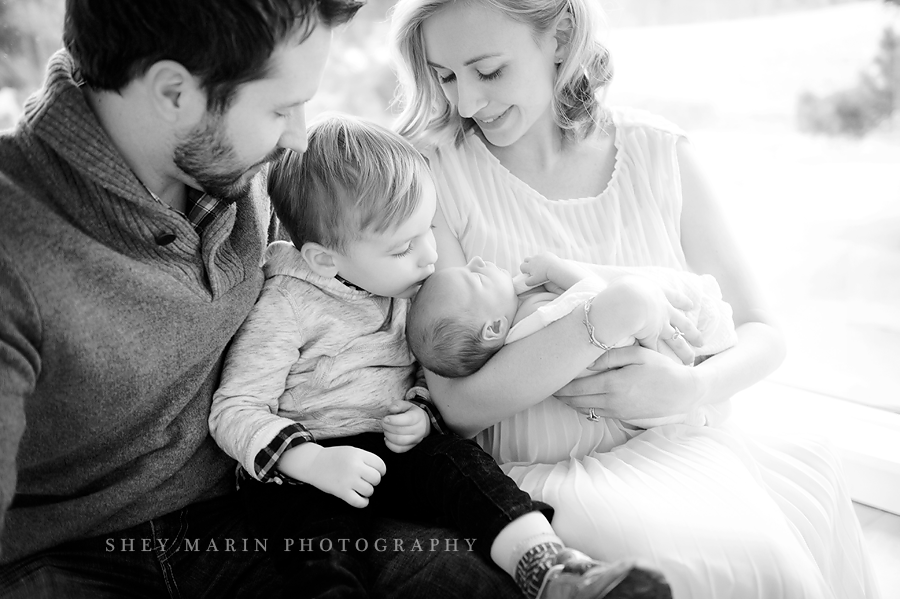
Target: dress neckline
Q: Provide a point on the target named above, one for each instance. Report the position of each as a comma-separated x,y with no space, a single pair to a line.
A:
516,181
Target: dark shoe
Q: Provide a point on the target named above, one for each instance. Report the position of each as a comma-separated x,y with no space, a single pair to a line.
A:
576,576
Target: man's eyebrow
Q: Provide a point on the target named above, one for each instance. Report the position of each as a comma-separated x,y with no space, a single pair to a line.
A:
291,105
465,64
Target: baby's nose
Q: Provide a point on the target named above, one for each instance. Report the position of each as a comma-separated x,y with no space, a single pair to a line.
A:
476,262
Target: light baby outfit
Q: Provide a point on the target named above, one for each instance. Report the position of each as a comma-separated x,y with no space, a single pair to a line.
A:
710,314
722,513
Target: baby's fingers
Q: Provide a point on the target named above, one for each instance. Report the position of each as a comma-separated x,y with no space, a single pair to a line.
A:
678,299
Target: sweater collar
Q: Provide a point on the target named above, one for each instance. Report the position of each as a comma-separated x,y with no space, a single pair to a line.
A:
60,116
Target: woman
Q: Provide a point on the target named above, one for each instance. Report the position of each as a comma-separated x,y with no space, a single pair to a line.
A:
503,95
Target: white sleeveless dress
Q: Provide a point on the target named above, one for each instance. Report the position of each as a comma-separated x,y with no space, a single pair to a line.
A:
722,514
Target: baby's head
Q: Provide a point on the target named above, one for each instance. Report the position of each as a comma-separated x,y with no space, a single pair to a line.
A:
359,205
460,318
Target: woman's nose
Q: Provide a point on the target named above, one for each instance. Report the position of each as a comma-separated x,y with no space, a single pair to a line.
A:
469,100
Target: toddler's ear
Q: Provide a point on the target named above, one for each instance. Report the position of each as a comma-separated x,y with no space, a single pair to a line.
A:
495,330
320,259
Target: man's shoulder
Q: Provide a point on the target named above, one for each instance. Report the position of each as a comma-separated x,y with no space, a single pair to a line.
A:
19,189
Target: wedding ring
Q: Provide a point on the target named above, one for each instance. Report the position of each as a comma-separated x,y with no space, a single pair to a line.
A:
592,416
678,334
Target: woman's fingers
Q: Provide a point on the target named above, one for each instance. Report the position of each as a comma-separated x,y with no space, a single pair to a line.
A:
687,328
683,350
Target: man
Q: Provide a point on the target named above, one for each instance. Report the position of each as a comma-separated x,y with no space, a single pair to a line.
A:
133,229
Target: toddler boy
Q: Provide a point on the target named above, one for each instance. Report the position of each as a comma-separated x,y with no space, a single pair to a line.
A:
318,398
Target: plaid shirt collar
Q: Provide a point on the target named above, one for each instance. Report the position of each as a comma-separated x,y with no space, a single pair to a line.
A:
202,208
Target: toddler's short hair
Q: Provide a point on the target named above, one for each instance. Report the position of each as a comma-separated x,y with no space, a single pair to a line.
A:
356,177
447,344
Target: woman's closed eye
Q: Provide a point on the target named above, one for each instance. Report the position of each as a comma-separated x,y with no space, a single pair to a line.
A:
451,77
490,76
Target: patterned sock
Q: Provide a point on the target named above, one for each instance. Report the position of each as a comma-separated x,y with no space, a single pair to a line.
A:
533,566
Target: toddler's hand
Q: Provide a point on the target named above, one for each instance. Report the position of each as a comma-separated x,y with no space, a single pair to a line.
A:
405,426
348,473
538,267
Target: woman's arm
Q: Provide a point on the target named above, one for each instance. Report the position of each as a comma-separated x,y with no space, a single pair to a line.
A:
528,371
633,382
710,247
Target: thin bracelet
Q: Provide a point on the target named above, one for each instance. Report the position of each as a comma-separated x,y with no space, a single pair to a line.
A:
590,327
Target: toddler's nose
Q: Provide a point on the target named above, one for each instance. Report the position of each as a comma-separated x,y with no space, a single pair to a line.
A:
476,262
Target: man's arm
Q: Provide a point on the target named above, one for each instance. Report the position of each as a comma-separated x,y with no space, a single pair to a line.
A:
19,369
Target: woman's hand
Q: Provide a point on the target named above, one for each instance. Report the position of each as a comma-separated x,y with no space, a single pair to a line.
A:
634,382
665,325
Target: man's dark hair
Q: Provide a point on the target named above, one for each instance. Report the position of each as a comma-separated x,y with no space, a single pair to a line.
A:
224,43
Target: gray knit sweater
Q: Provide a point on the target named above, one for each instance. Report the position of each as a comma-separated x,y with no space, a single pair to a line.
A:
110,343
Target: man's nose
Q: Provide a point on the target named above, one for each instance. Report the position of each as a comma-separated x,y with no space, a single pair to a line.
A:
294,136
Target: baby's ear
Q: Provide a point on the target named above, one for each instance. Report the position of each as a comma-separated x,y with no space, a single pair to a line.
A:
320,259
495,330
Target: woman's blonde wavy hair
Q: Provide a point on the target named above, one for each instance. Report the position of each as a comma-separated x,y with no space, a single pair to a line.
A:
426,116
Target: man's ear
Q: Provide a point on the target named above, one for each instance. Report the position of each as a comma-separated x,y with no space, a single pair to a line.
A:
175,92
320,259
495,330
564,28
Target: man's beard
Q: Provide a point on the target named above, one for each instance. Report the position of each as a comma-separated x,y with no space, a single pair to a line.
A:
209,159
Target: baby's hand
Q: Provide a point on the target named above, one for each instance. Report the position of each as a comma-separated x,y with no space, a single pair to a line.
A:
348,473
538,268
405,426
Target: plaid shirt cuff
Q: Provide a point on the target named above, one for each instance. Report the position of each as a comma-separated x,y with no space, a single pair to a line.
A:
437,423
290,436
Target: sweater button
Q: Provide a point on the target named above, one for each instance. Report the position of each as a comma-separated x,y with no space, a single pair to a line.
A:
165,238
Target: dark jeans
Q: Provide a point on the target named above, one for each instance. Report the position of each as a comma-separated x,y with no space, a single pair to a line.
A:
445,481
204,554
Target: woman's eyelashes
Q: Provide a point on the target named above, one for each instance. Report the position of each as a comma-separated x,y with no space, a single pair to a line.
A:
451,77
